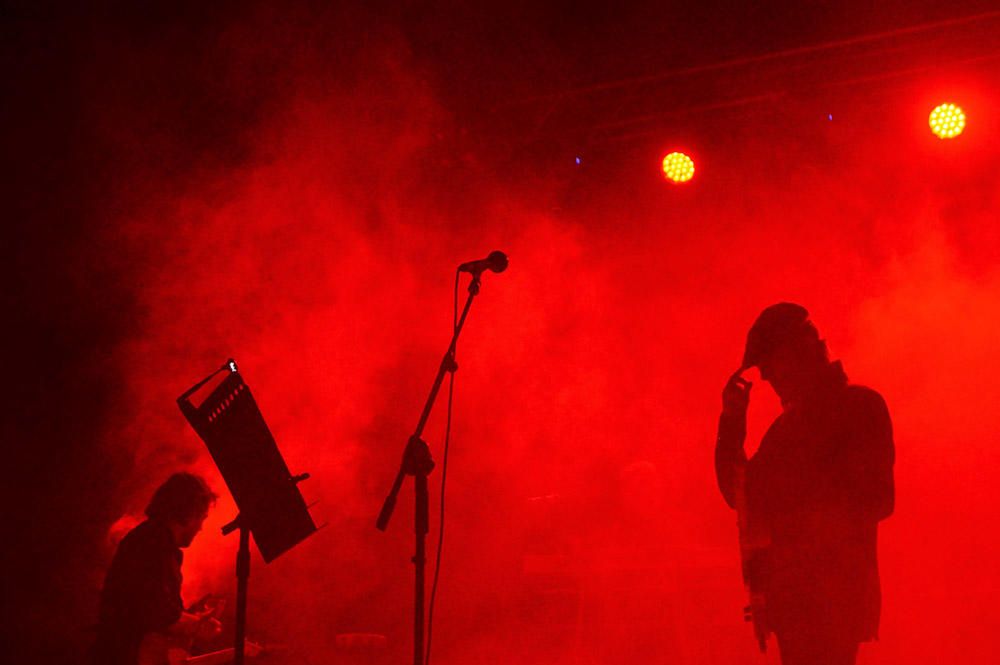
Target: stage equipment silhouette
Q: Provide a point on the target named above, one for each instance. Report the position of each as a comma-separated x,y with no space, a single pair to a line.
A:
417,461
266,493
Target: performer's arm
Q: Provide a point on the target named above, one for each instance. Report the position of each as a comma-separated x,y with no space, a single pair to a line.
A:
200,626
148,580
728,454
162,611
731,435
870,458
138,589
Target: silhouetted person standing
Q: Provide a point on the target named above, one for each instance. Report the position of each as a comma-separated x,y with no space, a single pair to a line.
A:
818,485
142,590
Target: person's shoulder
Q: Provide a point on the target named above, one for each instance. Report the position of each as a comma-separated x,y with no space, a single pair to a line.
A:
146,535
862,393
863,399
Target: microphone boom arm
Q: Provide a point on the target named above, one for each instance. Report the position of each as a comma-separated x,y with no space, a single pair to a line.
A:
447,365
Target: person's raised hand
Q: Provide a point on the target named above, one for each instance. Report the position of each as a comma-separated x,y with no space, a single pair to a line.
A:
736,396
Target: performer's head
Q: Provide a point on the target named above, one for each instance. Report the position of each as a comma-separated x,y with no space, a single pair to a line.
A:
785,346
182,503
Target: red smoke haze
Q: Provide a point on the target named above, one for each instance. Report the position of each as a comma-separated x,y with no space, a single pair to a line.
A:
314,242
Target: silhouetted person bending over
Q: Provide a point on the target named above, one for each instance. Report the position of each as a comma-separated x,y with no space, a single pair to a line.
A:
817,487
142,590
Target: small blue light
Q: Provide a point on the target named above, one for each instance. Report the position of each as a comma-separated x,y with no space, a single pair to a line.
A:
578,161
829,116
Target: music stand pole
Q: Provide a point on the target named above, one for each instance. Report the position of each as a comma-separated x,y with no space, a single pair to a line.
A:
242,586
417,462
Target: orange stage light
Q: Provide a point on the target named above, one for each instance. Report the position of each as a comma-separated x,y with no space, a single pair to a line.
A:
947,121
678,167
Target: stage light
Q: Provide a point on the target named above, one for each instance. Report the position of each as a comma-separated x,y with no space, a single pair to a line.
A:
947,121
678,167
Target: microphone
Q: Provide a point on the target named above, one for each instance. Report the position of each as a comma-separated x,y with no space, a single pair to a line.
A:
496,261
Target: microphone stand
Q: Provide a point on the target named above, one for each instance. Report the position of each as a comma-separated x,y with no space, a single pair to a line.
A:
417,462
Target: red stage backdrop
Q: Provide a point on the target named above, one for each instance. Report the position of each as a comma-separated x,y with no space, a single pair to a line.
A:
300,205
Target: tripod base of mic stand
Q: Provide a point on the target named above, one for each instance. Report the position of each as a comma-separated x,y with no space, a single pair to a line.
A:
417,462
417,458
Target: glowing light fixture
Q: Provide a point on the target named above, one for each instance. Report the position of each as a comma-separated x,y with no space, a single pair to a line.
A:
947,121
678,167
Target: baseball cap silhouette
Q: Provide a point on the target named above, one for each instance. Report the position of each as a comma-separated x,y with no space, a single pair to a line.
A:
776,326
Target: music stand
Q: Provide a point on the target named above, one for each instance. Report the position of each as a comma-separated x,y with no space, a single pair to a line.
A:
266,493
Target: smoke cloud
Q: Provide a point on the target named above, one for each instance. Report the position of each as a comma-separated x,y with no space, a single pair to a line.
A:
293,191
